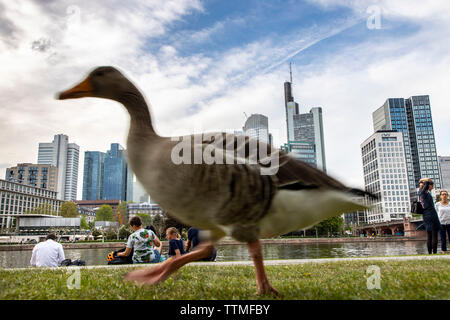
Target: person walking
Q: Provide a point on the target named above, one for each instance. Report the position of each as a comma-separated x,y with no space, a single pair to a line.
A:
430,216
48,253
443,210
143,242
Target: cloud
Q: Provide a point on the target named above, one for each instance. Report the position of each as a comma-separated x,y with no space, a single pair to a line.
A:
211,90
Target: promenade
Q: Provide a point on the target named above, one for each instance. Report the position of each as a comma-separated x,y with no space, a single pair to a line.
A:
121,244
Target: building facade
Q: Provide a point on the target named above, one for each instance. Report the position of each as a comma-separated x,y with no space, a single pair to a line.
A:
65,156
107,176
257,126
385,175
43,176
308,127
412,117
444,169
18,199
304,132
139,193
118,177
94,162
149,208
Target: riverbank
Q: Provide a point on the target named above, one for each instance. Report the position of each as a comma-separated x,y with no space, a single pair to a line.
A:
121,244
412,277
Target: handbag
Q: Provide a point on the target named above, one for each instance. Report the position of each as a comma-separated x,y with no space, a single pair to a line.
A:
417,207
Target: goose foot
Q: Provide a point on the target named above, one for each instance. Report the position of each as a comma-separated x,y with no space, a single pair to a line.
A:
263,283
148,276
160,273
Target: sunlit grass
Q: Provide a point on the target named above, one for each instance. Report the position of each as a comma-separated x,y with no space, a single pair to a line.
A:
418,279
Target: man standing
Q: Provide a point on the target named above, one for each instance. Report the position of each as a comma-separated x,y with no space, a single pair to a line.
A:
48,253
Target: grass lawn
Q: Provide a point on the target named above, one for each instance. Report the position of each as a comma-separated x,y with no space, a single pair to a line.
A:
415,279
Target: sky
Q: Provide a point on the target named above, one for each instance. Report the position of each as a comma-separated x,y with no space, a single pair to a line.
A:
202,64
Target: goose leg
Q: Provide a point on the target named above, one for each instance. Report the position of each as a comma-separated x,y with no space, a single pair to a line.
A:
255,251
160,273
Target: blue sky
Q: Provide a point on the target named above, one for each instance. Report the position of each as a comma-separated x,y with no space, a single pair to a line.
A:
202,64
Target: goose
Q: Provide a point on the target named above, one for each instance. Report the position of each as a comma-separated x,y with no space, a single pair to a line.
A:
224,199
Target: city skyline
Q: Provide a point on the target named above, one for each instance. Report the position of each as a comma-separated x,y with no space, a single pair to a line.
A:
340,64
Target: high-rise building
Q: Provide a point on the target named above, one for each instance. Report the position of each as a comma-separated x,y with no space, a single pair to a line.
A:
304,132
64,156
308,127
43,176
444,169
412,117
17,199
257,126
93,175
385,175
139,193
117,176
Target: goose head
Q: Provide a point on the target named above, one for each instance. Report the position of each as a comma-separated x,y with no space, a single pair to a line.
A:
102,82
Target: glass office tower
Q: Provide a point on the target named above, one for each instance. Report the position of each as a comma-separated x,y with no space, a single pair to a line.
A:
412,117
93,175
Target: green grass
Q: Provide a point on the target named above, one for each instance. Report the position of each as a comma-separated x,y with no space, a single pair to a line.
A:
418,279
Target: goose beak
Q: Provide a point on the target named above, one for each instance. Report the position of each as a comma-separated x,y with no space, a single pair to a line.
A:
81,90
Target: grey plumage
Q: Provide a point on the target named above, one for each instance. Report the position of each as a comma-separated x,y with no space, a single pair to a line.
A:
234,199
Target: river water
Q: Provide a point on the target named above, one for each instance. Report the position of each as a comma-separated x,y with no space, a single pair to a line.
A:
17,259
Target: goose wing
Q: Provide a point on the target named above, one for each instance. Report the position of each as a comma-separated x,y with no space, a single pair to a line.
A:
289,172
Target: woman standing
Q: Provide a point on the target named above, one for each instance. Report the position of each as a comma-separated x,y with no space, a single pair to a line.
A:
443,209
430,216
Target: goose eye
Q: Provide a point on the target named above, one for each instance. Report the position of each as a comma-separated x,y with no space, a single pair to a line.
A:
99,73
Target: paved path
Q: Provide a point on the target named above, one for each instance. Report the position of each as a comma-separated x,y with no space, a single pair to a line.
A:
268,262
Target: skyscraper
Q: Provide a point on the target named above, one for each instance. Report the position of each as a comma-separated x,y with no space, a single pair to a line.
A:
385,175
308,127
444,169
117,176
304,132
93,175
257,126
64,156
412,117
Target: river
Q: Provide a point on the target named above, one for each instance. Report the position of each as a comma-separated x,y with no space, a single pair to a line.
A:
17,259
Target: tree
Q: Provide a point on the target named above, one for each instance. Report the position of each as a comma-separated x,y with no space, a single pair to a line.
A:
105,213
44,208
170,221
110,234
69,210
96,233
83,224
158,223
330,226
145,218
125,231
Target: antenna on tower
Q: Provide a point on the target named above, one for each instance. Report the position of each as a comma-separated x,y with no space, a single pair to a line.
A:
290,71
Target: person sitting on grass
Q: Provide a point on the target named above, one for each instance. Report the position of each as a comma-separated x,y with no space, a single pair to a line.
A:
176,246
194,240
143,242
48,253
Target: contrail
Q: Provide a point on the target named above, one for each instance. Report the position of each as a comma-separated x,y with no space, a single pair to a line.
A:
312,43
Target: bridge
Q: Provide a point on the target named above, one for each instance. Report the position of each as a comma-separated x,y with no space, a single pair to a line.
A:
407,227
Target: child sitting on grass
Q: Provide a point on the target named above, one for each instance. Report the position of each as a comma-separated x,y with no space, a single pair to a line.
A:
176,246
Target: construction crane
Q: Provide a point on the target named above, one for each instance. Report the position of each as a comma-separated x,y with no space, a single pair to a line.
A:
120,217
246,117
